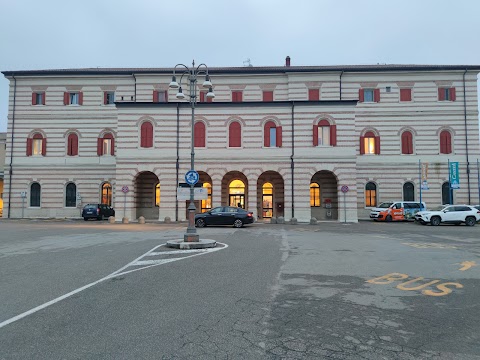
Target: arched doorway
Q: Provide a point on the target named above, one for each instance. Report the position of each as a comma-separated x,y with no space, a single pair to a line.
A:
270,195
235,189
408,191
447,193
147,195
107,194
324,195
202,205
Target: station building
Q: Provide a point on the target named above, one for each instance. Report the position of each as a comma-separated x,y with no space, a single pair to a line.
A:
278,141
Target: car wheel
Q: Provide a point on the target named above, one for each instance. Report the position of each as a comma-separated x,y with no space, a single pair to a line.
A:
99,217
470,221
388,218
85,218
238,223
435,221
200,223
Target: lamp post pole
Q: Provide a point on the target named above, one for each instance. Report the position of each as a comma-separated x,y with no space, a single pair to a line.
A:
193,73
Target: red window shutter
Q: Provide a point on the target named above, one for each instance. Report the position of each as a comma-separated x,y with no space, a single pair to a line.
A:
362,145
29,146
376,95
234,96
266,135
235,135
66,98
405,94
105,98
74,144
315,135
34,98
404,142
333,135
449,143
441,94
199,140
44,147
143,135
150,135
155,96
202,96
453,95
165,94
377,145
268,96
237,96
112,150
313,94
44,98
80,98
279,136
361,97
445,142
100,146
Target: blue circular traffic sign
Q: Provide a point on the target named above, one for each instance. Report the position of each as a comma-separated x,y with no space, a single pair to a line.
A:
191,177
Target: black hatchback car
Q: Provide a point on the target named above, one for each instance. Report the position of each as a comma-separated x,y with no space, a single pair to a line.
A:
97,211
224,215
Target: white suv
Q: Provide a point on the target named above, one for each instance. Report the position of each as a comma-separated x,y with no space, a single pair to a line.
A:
452,214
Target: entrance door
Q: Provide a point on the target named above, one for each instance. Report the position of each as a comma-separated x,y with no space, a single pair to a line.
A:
267,203
237,200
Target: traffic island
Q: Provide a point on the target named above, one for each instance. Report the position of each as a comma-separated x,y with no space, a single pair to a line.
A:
200,244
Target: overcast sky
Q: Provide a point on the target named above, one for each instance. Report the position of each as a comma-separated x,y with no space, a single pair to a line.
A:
51,34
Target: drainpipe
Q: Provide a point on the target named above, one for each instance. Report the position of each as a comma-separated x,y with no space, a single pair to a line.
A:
341,85
466,133
292,164
11,148
135,86
177,166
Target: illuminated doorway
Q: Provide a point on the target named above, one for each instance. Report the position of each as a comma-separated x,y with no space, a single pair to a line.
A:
107,194
237,194
267,200
207,204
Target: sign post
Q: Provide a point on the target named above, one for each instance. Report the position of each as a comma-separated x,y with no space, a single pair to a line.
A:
345,190
125,191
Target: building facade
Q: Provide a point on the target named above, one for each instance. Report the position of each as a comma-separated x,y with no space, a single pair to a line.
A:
279,141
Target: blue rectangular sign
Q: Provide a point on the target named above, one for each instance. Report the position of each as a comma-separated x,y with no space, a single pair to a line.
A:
454,178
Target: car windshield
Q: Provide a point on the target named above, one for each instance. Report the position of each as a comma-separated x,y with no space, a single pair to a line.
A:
90,206
385,205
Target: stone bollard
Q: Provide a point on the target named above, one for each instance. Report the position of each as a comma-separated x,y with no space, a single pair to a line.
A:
141,220
124,220
293,221
167,220
313,221
273,220
280,220
111,219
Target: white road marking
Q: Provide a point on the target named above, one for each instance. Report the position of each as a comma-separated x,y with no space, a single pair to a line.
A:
114,274
178,252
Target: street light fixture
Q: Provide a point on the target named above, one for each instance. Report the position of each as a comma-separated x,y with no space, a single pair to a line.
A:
192,74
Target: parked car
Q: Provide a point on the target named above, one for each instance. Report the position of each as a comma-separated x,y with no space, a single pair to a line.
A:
451,214
397,210
97,211
224,215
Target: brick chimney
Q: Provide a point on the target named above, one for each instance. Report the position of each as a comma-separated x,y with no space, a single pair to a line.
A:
287,61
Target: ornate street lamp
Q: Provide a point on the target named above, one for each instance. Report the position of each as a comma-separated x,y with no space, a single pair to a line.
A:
192,75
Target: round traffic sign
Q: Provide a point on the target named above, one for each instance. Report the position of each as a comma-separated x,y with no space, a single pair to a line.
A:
344,188
125,188
191,177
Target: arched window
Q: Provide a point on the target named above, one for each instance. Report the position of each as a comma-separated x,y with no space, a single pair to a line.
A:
445,142
106,145
37,145
72,145
107,194
272,135
207,204
324,134
157,194
199,140
235,135
146,135
447,193
237,193
408,192
369,143
370,195
407,142
315,195
35,191
71,195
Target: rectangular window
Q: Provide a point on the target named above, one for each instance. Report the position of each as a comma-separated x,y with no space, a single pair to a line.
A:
370,198
313,94
107,144
324,135
446,94
38,98
405,94
162,96
368,95
204,98
369,145
237,96
74,98
273,137
109,97
268,96
37,146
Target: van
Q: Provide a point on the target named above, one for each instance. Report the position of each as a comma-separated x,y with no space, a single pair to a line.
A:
397,210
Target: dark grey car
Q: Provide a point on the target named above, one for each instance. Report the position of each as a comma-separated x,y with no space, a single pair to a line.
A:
97,211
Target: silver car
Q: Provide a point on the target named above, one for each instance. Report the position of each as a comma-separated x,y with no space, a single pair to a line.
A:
452,214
